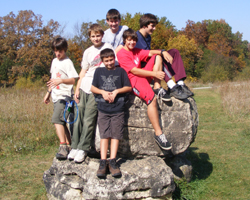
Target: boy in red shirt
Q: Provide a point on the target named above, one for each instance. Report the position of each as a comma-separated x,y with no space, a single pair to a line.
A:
130,59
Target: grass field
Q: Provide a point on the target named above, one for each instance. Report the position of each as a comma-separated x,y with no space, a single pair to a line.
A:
220,154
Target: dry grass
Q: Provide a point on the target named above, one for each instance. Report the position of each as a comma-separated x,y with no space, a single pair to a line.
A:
235,98
24,121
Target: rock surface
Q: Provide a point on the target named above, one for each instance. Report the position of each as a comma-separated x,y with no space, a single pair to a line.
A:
179,122
148,177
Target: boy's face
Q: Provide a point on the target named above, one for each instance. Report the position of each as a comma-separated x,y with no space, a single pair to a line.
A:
96,38
109,62
150,28
60,54
130,43
113,24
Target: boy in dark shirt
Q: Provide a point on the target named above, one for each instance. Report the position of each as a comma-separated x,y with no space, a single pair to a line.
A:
110,85
178,90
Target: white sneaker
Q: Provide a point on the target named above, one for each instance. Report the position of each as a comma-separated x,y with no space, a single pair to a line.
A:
72,154
80,156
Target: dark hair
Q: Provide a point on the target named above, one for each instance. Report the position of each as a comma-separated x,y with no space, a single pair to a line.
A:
59,44
129,33
105,53
146,19
96,28
113,14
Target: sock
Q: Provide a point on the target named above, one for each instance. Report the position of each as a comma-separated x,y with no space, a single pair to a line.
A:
63,143
171,84
180,82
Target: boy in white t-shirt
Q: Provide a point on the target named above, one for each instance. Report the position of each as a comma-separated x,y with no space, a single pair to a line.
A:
60,87
85,124
113,35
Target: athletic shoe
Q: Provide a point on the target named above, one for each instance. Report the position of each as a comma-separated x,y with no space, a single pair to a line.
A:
101,172
72,154
113,168
187,90
178,92
80,156
62,152
162,94
162,142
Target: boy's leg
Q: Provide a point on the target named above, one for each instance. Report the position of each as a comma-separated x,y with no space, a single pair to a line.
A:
157,67
104,148
63,149
60,131
114,148
79,121
113,167
155,64
89,122
153,116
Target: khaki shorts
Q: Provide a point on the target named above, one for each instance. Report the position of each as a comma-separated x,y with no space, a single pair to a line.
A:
58,113
111,125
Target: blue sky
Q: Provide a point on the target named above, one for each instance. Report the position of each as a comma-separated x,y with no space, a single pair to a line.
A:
68,13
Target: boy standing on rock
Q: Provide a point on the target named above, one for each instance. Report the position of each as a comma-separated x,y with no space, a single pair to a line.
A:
84,127
110,85
60,87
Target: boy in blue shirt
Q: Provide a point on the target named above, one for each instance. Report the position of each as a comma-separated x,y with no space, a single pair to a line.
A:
110,85
148,24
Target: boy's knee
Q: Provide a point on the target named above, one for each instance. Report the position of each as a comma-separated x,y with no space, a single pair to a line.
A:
158,58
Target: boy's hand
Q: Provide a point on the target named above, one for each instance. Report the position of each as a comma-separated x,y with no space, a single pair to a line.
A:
167,57
46,99
52,83
77,96
160,75
106,96
112,96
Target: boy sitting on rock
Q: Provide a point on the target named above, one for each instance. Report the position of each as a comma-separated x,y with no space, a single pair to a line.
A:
130,59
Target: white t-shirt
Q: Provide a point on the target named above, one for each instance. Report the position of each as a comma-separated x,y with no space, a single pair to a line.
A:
115,39
91,60
63,69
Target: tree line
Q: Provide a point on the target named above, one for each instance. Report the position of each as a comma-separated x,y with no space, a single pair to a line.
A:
209,49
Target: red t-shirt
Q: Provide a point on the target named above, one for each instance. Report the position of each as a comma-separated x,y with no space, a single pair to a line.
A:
130,59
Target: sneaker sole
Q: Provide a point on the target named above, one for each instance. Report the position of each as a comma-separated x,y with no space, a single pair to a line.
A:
61,157
101,175
166,99
165,148
116,175
180,98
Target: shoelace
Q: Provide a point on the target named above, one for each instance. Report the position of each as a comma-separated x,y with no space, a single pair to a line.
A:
163,138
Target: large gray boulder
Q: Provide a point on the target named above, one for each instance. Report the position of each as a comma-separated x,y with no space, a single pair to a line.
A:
148,177
147,171
179,122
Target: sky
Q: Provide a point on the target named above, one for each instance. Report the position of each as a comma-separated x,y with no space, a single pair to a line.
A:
178,12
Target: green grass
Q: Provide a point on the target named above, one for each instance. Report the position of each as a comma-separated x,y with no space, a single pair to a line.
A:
219,155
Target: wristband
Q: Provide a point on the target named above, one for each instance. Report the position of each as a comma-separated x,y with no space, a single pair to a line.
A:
48,91
162,51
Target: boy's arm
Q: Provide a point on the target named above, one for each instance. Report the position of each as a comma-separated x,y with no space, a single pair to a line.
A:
124,89
54,82
141,72
46,99
118,48
104,93
163,53
77,91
